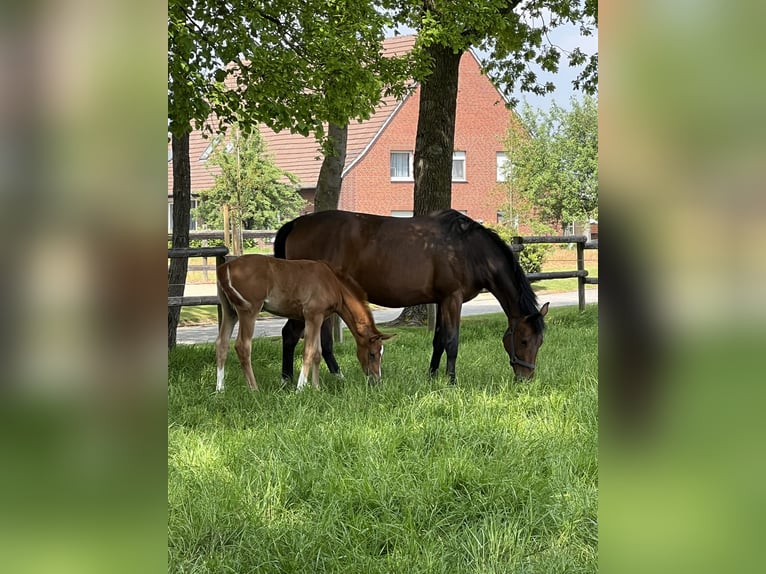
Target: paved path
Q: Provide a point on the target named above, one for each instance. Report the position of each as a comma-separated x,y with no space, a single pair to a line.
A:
272,326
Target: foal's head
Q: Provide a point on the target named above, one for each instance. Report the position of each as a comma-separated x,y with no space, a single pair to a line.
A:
522,340
369,351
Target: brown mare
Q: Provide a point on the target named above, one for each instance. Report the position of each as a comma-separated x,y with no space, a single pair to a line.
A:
444,258
308,291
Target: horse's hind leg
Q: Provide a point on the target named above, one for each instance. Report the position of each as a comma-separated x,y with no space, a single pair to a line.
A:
327,354
291,334
228,320
244,344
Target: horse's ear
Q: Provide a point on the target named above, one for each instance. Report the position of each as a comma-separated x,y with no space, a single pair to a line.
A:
383,336
544,310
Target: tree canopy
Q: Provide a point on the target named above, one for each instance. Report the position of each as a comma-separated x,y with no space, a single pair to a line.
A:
554,161
289,65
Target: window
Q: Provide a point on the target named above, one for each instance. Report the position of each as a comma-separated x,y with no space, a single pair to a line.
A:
209,149
401,213
503,166
192,221
401,166
458,166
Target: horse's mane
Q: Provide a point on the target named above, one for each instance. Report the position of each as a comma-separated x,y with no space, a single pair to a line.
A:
465,228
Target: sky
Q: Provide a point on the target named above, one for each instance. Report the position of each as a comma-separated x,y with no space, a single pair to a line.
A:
566,38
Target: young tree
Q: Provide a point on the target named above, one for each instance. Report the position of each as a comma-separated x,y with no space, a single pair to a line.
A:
554,160
256,191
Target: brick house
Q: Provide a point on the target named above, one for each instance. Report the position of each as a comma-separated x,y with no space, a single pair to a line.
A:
377,177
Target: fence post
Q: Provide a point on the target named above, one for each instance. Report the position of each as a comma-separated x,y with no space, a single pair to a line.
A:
581,280
337,328
431,316
517,240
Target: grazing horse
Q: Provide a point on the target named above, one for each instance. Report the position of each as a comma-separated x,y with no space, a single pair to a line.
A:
309,291
444,258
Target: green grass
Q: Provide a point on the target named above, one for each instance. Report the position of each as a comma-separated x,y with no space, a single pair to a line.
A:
409,476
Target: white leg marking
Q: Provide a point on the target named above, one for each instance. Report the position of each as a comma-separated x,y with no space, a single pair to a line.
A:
380,365
237,293
219,382
302,379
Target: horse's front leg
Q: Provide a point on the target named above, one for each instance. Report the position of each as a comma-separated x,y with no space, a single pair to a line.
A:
228,320
450,317
327,354
291,334
438,345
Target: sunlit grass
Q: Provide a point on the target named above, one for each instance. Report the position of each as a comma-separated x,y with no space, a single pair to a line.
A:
412,475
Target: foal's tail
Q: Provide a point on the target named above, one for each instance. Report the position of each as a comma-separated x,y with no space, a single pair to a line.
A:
230,298
281,239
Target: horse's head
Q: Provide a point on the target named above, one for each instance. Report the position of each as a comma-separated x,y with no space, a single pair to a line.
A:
522,340
369,351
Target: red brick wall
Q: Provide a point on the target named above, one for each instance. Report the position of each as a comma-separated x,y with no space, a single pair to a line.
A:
482,121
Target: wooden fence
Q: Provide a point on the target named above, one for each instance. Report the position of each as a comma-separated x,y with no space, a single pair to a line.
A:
517,244
581,242
219,253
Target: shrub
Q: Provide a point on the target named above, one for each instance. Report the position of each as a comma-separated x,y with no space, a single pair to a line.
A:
532,257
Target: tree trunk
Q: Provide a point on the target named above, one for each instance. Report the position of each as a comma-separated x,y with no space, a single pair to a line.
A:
329,184
180,237
434,144
330,174
435,139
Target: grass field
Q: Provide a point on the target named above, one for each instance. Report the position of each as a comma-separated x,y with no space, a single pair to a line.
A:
409,476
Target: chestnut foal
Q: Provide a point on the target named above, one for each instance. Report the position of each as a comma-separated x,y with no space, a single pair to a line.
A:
305,290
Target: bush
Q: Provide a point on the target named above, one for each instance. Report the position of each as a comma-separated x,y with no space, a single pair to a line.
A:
532,257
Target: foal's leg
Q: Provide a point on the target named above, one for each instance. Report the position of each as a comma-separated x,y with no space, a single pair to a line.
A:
228,320
326,341
311,353
291,334
438,344
244,344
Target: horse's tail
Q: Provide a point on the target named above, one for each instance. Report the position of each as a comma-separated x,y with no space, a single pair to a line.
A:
281,239
228,295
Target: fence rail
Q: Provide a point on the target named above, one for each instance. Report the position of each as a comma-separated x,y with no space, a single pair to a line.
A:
218,234
582,243
517,245
219,253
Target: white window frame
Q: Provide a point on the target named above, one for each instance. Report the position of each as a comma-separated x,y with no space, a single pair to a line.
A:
409,176
193,223
458,156
209,149
503,165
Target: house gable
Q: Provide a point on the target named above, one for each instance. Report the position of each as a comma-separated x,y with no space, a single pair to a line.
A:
481,124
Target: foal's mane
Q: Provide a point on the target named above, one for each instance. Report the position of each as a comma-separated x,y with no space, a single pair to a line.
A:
351,285
466,229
